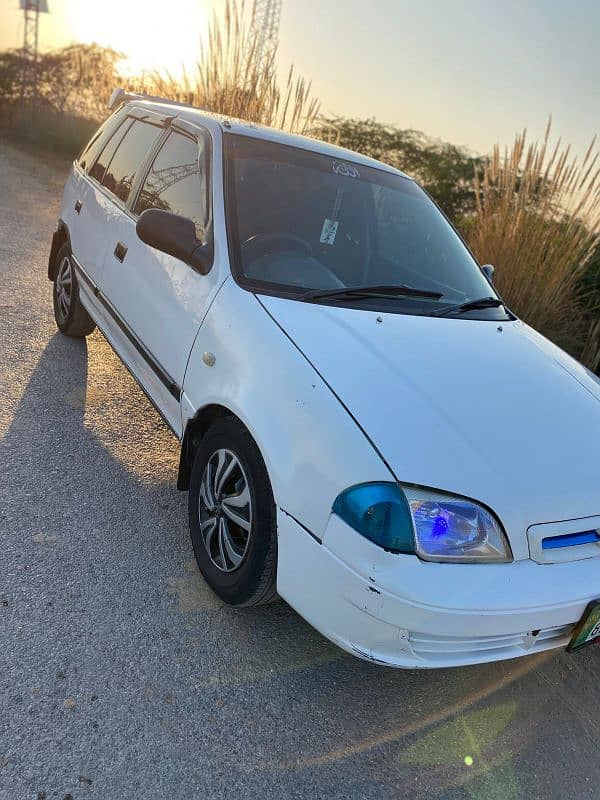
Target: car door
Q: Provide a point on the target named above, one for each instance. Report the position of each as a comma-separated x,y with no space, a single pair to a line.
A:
83,206
158,301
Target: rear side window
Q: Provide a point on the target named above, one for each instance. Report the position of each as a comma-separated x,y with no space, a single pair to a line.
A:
131,152
178,180
100,138
99,168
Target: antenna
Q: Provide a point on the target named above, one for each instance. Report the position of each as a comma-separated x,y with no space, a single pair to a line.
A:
31,23
266,16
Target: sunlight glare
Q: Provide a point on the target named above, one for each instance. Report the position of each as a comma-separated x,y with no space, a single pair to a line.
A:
152,35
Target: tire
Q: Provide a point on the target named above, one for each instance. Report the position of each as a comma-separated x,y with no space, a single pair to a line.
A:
71,317
238,561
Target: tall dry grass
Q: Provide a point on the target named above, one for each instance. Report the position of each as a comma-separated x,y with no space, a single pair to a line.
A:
233,79
590,355
537,216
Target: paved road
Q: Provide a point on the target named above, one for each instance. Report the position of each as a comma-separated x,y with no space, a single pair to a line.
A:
123,678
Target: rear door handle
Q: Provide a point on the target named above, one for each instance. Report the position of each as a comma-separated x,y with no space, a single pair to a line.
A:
78,205
120,252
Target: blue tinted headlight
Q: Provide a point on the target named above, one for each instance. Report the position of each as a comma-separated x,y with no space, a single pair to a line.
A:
380,512
450,528
433,525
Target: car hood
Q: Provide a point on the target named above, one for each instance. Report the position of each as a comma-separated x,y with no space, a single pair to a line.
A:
489,410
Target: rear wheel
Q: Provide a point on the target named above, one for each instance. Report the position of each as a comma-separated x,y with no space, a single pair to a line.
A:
232,516
71,317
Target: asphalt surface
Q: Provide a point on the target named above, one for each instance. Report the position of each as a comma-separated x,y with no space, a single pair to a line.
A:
122,677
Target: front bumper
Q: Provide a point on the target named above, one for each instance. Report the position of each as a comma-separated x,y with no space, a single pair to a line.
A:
403,612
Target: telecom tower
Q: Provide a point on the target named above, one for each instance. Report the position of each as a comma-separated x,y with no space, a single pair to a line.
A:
31,24
266,15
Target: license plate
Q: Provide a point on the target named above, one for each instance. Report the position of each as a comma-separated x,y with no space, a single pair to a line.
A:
588,629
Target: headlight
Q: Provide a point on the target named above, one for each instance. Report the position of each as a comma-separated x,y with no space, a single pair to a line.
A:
433,525
449,528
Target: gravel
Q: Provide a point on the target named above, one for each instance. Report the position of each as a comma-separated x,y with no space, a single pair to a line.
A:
122,676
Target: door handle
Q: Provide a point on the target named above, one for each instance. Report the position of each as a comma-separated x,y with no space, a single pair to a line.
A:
120,252
78,206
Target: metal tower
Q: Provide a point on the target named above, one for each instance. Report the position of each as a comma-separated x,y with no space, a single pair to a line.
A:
31,24
163,179
266,16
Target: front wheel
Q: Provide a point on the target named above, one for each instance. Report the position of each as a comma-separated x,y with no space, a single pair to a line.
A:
232,516
71,317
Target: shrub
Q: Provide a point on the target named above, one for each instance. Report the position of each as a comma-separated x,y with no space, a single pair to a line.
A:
73,86
537,218
76,79
43,128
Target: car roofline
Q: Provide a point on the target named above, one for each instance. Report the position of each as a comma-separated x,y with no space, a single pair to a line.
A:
231,125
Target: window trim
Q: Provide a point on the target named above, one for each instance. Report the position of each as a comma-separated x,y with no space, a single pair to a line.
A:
195,134
200,132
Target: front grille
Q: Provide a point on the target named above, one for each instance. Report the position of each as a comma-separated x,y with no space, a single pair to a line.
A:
488,648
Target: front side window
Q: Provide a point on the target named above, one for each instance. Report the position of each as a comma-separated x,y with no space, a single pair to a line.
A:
178,181
301,221
128,158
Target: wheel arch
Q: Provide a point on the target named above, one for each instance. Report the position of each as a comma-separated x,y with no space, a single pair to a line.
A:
196,428
60,237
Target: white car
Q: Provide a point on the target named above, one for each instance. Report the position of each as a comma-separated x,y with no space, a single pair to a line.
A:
366,429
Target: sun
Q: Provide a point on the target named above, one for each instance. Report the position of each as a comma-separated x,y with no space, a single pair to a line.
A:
153,35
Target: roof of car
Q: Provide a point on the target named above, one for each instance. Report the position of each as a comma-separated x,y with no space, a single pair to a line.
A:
242,127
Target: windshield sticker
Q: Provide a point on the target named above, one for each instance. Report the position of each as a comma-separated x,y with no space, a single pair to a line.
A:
347,170
329,231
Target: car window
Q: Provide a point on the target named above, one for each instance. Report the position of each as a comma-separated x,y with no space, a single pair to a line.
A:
324,223
100,138
130,154
98,169
177,180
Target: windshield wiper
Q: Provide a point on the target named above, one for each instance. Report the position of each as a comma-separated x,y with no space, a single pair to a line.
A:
470,305
401,290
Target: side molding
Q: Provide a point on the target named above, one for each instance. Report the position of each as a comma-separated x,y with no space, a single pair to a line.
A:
164,377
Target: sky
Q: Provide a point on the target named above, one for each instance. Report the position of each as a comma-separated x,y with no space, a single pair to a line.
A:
470,72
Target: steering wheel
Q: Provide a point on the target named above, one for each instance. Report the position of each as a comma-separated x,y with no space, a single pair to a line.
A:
256,246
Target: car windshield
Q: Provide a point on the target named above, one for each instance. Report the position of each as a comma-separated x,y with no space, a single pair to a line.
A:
301,221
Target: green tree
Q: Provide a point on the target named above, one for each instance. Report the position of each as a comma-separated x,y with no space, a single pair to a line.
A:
443,169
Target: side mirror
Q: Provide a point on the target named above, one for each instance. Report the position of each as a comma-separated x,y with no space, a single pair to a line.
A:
488,271
175,236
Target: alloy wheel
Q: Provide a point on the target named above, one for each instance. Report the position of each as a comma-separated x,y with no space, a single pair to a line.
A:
64,288
225,510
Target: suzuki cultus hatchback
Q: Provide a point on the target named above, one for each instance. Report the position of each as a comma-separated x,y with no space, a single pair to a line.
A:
366,429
